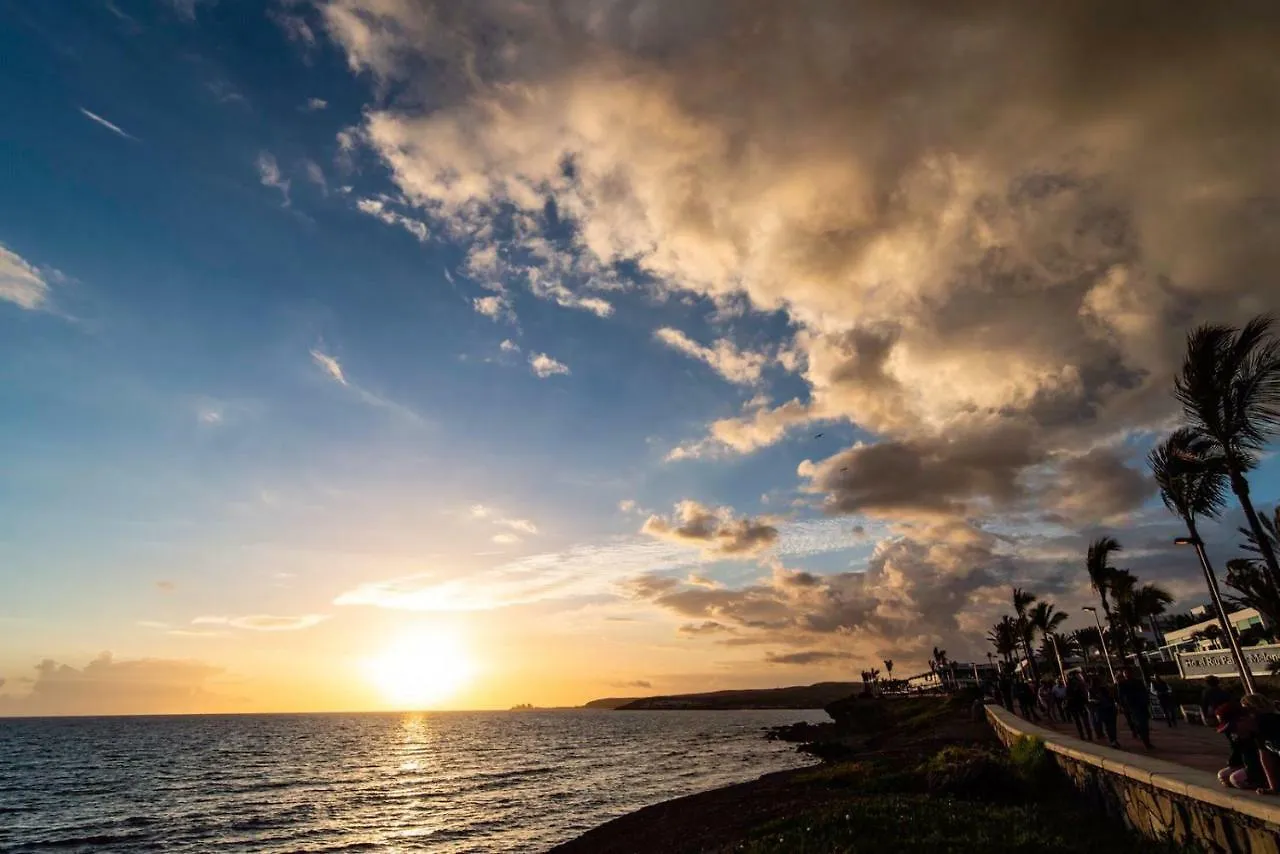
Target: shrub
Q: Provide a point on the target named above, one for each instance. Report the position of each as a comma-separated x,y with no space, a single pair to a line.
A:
973,773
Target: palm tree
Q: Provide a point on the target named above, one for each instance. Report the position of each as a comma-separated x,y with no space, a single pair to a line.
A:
1097,563
1066,646
938,664
1229,389
1022,601
1045,619
1248,576
1004,637
888,667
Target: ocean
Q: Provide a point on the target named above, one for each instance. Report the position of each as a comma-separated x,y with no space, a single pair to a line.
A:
448,782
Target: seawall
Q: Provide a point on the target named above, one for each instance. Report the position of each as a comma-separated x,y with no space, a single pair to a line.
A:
1159,799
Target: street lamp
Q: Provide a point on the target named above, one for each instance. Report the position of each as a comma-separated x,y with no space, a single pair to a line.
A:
1246,676
1062,671
1103,638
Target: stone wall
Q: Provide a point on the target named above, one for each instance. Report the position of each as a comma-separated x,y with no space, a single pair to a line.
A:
1158,799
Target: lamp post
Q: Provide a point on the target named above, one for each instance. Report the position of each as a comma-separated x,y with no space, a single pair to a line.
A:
1062,671
1242,667
1103,638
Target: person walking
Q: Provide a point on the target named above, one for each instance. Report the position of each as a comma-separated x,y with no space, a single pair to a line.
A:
1026,701
1058,695
1164,696
1137,705
1006,691
1212,697
1102,705
1075,704
1045,696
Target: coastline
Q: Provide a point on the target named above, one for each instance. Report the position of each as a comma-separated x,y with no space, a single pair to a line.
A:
910,774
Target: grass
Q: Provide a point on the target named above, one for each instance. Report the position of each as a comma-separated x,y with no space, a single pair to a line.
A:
925,823
960,798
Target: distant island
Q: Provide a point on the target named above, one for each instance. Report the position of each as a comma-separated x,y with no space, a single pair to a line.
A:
796,697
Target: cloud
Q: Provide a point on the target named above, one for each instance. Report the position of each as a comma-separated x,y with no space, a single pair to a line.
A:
263,622
494,307
21,283
186,9
329,365
627,505
812,656
315,174
509,346
1096,487
314,104
114,128
166,586
637,683
724,358
707,627
957,475
269,175
107,686
544,366
522,525
915,213
505,539
585,569
378,208
716,531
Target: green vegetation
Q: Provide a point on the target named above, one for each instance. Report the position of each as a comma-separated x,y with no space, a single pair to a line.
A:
960,798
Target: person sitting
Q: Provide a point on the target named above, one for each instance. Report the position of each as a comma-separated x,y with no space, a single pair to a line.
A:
1249,724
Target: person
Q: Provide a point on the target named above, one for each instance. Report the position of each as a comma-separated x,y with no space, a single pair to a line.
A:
1102,706
1164,696
1212,697
1059,698
1076,707
1006,691
1137,705
1045,697
1249,726
1026,701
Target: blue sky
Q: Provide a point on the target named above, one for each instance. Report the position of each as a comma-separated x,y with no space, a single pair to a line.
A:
301,315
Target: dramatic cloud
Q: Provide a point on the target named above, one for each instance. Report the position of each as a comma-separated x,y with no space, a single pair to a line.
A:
329,365
715,531
20,282
986,225
724,358
544,366
263,622
269,175
114,128
106,686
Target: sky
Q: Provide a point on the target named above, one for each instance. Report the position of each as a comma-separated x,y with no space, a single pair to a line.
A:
621,347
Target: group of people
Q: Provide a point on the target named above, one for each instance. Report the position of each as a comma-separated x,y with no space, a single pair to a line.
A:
1090,703
1251,725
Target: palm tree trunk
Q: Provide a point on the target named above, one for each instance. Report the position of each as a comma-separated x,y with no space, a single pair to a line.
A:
1240,486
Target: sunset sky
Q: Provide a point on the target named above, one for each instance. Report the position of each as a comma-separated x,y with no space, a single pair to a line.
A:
616,346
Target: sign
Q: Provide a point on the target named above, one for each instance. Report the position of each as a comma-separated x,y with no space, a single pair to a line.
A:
1219,662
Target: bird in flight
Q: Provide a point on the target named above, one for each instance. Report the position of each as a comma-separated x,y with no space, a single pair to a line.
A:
817,436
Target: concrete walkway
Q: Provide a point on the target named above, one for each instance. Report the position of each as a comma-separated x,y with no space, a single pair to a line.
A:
1193,745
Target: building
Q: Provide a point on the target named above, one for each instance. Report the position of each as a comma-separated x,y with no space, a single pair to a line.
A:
1181,640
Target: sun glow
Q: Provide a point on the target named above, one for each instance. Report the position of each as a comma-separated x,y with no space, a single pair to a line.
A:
421,669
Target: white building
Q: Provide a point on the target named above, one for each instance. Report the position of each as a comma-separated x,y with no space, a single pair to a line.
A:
1180,640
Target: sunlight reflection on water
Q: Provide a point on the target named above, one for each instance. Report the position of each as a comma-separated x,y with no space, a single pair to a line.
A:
448,782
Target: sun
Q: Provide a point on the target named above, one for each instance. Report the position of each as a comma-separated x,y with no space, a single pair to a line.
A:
421,669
